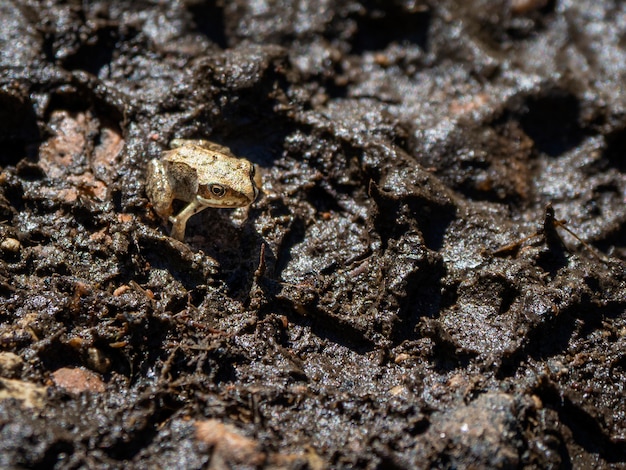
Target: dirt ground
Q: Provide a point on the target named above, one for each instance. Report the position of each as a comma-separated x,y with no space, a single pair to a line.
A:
435,275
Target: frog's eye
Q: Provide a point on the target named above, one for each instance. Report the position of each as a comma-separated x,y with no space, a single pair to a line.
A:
217,190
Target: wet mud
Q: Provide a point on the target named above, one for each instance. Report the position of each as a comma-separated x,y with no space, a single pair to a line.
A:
434,276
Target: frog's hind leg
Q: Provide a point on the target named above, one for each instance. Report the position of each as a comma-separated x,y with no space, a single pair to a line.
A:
159,189
179,223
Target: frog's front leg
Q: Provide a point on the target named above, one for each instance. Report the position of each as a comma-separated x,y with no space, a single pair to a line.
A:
179,223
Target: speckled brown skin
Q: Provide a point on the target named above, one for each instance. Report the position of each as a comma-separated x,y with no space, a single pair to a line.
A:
202,173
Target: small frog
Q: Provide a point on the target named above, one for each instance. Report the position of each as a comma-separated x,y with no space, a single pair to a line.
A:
202,173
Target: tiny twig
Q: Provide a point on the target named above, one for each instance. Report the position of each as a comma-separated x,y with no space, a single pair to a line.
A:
551,236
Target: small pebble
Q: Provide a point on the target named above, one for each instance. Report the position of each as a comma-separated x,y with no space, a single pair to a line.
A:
10,245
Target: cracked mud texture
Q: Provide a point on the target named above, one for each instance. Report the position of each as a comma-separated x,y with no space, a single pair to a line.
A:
405,294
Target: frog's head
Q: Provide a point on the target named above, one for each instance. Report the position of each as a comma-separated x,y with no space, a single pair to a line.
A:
236,184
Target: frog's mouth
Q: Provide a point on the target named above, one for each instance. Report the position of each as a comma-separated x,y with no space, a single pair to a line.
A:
257,181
